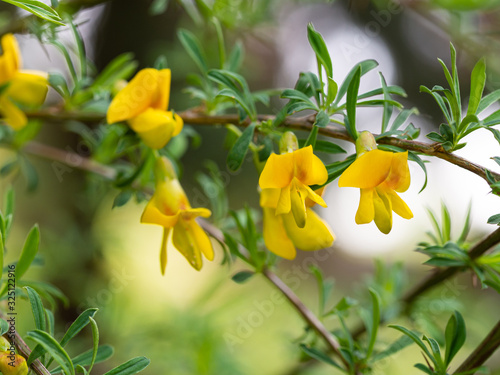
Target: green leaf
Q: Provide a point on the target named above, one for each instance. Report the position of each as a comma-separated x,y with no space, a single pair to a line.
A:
242,276
446,223
78,325
4,327
488,100
95,342
320,356
424,368
439,100
478,79
365,67
193,47
85,359
351,99
386,116
130,367
436,352
239,150
38,9
395,347
52,347
455,336
36,308
235,58
414,157
375,321
319,47
416,339
333,88
298,95
158,7
121,67
122,198
29,252
495,219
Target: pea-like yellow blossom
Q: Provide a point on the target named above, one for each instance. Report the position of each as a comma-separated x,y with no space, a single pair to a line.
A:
170,208
13,364
143,103
282,234
17,86
292,172
379,174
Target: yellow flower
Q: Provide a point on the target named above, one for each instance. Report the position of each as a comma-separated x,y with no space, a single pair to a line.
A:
13,364
282,234
379,174
143,103
18,86
170,208
292,172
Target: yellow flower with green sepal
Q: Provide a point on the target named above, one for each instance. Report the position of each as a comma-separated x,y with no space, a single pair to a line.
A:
143,103
17,86
380,175
170,208
286,200
292,172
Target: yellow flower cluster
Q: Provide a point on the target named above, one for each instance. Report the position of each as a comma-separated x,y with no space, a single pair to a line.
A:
17,86
286,198
143,103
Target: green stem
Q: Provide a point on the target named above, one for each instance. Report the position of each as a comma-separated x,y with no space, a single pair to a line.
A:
220,43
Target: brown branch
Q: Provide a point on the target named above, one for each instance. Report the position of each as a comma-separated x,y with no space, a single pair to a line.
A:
484,351
298,123
306,314
25,351
440,275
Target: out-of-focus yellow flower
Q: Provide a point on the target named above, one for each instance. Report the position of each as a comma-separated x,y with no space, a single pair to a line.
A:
143,103
282,234
170,208
12,364
26,87
292,172
379,174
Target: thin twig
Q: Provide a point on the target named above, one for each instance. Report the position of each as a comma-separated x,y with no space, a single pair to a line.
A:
440,275
307,314
298,123
23,349
484,351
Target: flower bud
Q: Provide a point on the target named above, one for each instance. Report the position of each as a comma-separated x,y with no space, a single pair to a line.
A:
365,142
288,143
13,364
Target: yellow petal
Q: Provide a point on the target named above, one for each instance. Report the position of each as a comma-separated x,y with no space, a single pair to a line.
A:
366,211
399,206
28,88
186,243
163,92
320,191
269,197
383,211
315,235
153,215
309,169
278,171
135,98
12,115
298,206
399,176
179,124
10,60
284,202
192,213
275,236
154,127
313,197
163,250
368,171
201,240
